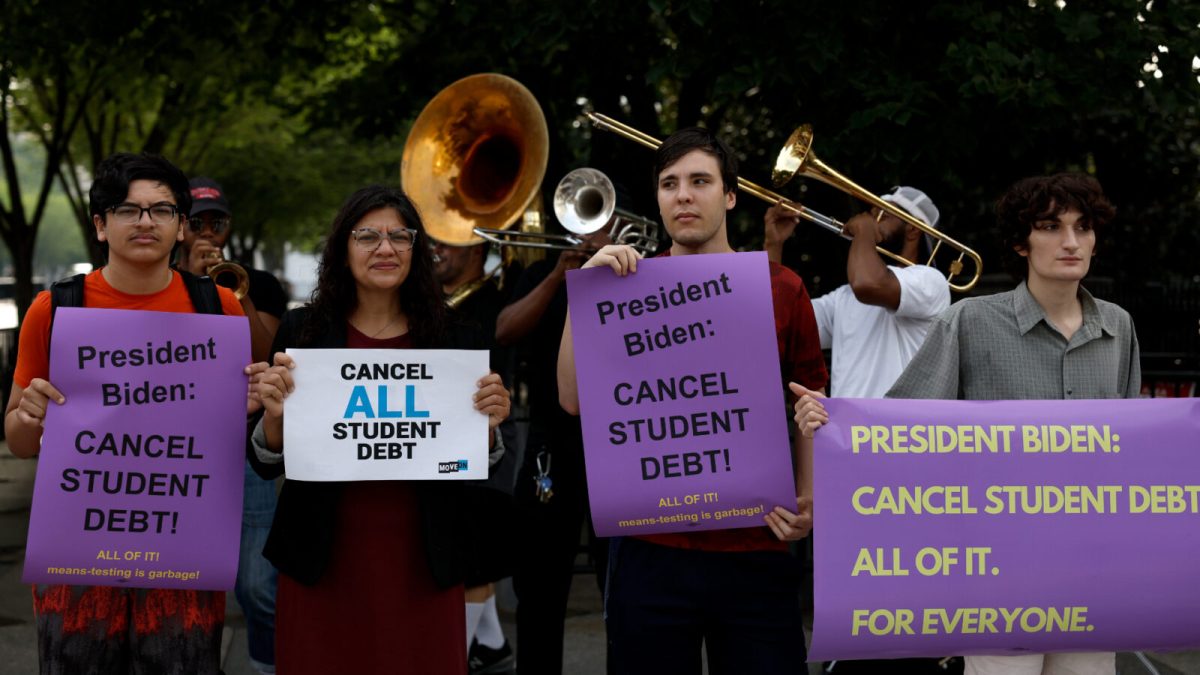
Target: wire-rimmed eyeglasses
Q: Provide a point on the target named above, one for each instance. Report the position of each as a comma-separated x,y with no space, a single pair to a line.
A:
368,239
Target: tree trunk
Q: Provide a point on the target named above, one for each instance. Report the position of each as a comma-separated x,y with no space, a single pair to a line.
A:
21,248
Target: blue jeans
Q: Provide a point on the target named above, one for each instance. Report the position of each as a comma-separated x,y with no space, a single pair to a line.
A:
255,588
663,605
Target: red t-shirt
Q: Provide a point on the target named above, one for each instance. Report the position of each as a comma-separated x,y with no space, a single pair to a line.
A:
33,356
800,360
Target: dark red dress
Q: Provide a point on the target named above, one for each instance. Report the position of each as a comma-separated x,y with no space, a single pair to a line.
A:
376,609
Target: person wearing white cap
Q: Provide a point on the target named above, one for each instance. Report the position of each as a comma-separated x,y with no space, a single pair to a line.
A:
875,323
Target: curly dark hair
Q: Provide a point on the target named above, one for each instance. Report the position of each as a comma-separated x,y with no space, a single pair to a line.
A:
336,294
1040,197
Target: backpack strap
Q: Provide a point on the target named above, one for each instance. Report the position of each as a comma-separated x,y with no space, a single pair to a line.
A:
203,292
65,293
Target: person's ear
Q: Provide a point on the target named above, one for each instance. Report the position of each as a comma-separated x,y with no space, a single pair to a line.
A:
98,223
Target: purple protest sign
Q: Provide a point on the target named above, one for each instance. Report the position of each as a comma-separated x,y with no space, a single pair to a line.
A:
684,424
139,480
964,527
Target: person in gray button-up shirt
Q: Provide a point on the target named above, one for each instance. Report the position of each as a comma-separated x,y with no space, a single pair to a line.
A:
1046,339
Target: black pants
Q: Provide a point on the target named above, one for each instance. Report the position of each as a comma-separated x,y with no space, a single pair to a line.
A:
664,603
548,541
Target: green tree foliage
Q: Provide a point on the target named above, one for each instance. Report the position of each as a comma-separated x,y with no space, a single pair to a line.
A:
960,98
59,245
87,80
291,106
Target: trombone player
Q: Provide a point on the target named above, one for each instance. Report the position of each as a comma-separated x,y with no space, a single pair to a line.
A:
876,322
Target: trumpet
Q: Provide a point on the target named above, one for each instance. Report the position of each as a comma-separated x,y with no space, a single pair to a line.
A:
219,267
796,158
584,202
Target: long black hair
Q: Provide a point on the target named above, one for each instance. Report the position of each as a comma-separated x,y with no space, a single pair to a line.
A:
336,294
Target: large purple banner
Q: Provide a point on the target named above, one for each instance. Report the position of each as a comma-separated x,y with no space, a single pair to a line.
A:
684,424
139,481
961,527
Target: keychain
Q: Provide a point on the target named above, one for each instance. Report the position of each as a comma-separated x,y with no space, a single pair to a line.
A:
545,486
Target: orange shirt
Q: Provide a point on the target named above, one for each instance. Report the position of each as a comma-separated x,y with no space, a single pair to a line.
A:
33,356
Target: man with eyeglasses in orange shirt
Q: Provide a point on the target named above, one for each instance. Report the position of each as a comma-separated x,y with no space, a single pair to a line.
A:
137,204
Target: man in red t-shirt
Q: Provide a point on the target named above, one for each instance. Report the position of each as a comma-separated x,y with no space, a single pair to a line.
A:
138,205
737,591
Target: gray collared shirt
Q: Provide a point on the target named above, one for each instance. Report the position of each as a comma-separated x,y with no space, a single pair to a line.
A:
1002,347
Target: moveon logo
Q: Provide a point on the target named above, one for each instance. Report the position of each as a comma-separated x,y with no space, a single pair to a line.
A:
452,467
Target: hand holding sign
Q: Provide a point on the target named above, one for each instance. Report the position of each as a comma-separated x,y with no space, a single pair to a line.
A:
789,526
269,385
31,410
264,373
492,399
621,258
810,412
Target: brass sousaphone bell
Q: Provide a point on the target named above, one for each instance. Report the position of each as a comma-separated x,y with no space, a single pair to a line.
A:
475,157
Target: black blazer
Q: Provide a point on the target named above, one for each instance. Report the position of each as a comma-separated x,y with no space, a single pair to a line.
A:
301,540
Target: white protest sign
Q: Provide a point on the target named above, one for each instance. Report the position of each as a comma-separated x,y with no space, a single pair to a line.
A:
385,414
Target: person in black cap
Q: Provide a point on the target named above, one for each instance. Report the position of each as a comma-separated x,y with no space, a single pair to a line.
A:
209,226
210,222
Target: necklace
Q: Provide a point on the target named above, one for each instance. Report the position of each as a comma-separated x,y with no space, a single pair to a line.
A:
386,326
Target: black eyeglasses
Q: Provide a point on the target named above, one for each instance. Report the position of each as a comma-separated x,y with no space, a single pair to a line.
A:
218,223
161,214
367,239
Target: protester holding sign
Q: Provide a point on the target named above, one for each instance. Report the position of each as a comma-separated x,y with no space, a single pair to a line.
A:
734,591
1047,339
138,205
371,572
